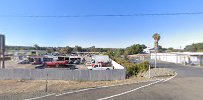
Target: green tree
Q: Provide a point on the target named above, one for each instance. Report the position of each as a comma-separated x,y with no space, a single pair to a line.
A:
156,37
77,49
37,47
134,49
170,49
119,52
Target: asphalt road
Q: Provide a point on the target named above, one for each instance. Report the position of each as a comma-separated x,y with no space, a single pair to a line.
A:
187,85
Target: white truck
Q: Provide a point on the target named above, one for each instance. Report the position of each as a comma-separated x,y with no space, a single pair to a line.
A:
99,67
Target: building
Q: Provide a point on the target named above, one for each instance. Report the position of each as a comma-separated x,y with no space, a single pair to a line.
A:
148,50
192,58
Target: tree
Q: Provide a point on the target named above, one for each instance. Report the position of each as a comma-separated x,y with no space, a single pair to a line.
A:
69,49
156,37
195,47
93,49
63,50
134,49
77,49
170,49
119,52
49,50
36,47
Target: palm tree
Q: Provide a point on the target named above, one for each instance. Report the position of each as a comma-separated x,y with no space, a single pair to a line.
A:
156,37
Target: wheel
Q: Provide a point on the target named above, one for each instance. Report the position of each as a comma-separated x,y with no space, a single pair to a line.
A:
107,69
57,65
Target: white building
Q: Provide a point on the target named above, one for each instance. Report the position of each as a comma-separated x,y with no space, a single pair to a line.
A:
193,58
148,50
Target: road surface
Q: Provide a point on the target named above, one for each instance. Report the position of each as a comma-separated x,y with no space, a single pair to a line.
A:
187,85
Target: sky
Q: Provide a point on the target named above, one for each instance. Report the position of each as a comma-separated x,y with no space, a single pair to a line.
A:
108,32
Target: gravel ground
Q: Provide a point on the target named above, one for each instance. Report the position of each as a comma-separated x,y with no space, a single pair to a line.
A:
158,73
12,64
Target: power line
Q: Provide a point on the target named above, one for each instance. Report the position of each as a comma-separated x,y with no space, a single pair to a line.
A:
108,15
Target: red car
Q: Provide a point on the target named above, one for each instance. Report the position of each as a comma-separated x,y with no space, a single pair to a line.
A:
57,63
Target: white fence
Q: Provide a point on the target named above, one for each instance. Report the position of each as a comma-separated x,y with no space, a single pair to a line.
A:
62,74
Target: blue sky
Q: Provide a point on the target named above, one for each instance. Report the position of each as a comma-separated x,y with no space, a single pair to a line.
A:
116,32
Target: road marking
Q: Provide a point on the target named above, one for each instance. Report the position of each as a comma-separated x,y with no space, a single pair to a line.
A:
162,80
98,88
171,77
41,97
74,91
156,81
131,90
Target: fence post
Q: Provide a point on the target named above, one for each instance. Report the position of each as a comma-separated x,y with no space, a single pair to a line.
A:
155,59
200,58
46,88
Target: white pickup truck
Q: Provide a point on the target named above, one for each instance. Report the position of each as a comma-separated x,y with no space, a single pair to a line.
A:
99,67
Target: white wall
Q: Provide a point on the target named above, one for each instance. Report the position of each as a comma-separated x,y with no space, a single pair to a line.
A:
181,58
116,65
170,57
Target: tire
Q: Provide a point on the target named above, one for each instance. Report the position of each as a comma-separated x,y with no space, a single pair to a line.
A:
57,65
107,69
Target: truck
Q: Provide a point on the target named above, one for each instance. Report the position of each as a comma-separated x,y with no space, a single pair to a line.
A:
99,67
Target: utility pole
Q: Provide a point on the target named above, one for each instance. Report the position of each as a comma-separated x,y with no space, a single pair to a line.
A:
2,50
155,58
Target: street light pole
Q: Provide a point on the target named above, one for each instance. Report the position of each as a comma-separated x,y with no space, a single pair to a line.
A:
155,59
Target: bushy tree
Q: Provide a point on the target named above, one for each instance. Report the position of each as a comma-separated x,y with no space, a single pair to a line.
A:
37,47
195,47
134,49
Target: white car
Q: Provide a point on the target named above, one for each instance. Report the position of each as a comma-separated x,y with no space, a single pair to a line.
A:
23,62
99,67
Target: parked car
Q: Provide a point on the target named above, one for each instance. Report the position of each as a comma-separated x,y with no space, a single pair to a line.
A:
76,62
99,67
88,64
23,62
57,63
37,63
42,66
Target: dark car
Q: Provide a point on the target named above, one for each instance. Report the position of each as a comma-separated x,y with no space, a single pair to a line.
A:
42,66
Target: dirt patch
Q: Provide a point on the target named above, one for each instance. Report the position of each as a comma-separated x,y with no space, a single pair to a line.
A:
14,86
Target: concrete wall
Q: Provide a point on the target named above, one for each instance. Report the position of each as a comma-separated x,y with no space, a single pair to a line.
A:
61,74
